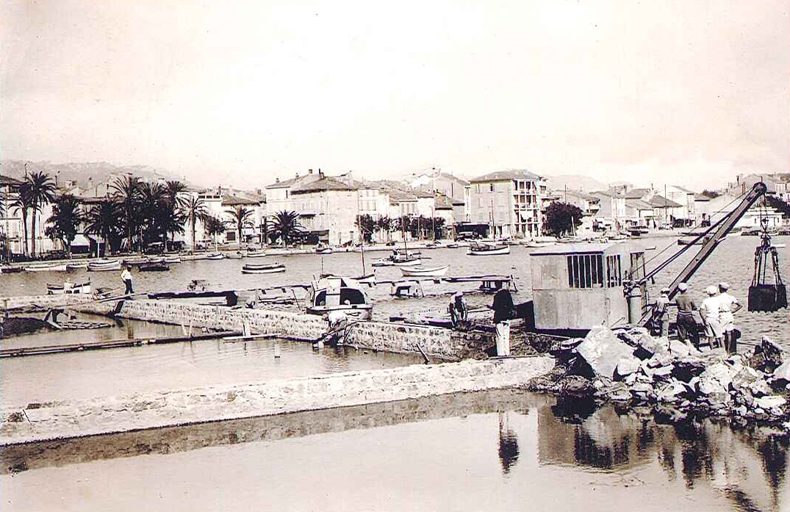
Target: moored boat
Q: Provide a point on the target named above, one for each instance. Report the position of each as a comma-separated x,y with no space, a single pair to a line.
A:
399,259
104,265
330,294
541,241
68,288
256,254
487,249
76,265
323,249
424,271
157,266
10,270
51,267
269,268
171,259
215,256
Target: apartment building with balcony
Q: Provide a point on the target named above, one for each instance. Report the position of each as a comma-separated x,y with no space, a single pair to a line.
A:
509,202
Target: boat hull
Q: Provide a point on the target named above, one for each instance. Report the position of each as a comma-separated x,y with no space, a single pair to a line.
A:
269,269
59,289
424,272
47,268
489,252
104,266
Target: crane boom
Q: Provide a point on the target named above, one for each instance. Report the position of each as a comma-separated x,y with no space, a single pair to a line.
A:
723,227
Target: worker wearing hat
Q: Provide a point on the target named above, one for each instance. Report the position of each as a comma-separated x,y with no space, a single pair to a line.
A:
688,329
661,311
459,310
727,306
711,314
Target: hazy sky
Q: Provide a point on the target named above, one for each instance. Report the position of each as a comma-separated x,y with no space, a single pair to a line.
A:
239,92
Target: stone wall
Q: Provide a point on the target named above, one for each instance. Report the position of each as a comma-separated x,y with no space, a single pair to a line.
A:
60,420
391,337
40,301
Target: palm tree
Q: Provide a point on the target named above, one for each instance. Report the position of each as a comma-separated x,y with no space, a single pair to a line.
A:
64,221
366,226
102,220
285,223
151,207
172,189
23,203
126,191
42,192
194,209
241,217
213,227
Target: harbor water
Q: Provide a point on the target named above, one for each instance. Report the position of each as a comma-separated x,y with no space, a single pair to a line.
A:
498,450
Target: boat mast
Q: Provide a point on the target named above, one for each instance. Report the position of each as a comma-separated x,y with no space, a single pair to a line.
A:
361,236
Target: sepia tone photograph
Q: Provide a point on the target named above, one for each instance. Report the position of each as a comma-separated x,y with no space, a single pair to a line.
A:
448,255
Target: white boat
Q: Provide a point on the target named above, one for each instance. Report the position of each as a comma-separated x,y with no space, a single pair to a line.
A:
487,249
68,288
541,241
104,265
399,259
215,256
269,268
424,271
453,245
171,259
76,265
51,267
323,249
256,254
343,294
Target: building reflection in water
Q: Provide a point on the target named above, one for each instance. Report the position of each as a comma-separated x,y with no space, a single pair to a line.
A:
748,467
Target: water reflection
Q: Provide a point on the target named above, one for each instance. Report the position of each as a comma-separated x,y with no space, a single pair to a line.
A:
508,443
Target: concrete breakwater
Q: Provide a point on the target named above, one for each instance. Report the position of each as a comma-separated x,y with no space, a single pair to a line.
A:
381,336
61,420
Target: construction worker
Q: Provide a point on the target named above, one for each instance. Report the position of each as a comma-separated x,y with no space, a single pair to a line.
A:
710,313
728,305
458,309
126,277
661,312
688,330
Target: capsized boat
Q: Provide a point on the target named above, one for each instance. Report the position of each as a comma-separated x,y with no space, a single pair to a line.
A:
68,288
263,268
424,271
104,265
51,267
487,249
333,293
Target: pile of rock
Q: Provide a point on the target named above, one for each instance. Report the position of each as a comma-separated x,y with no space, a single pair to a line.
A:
630,366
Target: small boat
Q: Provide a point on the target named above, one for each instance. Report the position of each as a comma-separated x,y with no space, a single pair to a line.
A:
399,259
269,268
133,262
256,254
171,259
215,256
68,288
51,267
76,265
453,245
424,271
323,249
487,249
234,255
10,270
104,265
541,241
342,294
155,266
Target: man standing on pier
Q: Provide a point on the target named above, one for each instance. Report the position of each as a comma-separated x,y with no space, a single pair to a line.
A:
686,323
126,277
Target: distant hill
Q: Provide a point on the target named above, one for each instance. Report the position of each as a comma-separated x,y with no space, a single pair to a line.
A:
574,182
80,172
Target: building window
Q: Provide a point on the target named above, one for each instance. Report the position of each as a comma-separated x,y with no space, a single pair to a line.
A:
585,271
478,188
492,187
614,276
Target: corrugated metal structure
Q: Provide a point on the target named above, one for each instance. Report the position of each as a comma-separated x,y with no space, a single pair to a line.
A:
578,286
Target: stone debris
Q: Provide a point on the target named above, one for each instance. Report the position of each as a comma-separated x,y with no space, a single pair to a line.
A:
675,379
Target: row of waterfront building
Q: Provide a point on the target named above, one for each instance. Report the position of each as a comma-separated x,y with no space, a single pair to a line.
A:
501,204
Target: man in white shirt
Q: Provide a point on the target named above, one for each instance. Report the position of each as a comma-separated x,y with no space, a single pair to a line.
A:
727,306
710,312
126,277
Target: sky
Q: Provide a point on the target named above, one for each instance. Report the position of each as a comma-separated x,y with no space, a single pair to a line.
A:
690,92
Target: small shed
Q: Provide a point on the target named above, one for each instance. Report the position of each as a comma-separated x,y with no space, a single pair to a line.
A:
578,286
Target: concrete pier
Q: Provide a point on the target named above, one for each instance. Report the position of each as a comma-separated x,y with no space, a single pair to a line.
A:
27,423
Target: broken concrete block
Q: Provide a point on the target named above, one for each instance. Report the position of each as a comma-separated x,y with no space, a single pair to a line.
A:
671,392
769,402
679,349
782,372
745,377
760,388
626,366
687,368
602,350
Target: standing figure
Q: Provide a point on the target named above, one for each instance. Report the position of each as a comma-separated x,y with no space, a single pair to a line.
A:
458,309
126,277
504,310
661,312
727,306
686,324
710,313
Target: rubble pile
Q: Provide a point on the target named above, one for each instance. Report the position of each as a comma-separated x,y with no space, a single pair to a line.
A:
676,379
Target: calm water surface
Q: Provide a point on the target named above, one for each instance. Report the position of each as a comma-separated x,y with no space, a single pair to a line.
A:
500,450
